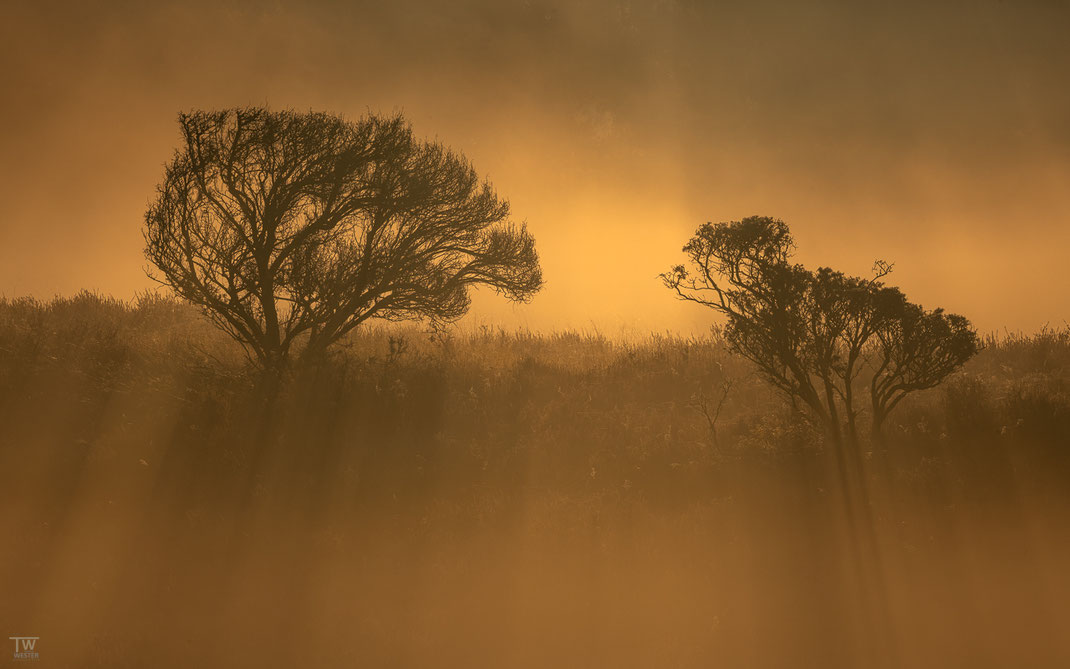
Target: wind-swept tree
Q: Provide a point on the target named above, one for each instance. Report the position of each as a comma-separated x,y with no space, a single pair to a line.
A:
291,227
817,335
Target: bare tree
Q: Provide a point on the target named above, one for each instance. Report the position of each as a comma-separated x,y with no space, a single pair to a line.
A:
288,227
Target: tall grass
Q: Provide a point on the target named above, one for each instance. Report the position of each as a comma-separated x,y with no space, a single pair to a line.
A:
501,498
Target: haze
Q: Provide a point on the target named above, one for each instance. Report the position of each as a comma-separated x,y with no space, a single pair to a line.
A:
937,138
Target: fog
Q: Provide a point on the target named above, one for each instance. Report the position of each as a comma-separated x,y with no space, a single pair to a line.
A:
511,500
594,478
935,138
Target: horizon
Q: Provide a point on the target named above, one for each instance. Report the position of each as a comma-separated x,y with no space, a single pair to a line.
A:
934,138
526,333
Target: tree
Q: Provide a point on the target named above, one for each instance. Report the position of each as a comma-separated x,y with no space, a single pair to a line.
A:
291,227
916,350
814,335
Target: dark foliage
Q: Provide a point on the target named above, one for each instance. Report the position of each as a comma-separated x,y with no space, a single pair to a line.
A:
814,335
293,227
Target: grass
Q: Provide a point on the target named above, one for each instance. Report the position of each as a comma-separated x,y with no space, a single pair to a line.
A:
492,498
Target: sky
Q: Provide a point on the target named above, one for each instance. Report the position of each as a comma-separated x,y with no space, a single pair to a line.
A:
933,135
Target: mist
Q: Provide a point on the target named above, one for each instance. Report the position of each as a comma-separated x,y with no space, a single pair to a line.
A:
935,138
634,421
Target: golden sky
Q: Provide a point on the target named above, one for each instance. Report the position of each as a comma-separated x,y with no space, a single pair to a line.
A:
935,135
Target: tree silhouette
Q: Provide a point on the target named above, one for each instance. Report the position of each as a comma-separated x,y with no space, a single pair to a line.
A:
293,227
916,349
816,335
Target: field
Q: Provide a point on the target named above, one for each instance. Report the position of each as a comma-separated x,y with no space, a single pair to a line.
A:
481,498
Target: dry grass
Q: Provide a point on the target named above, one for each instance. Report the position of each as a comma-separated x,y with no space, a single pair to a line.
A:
490,498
